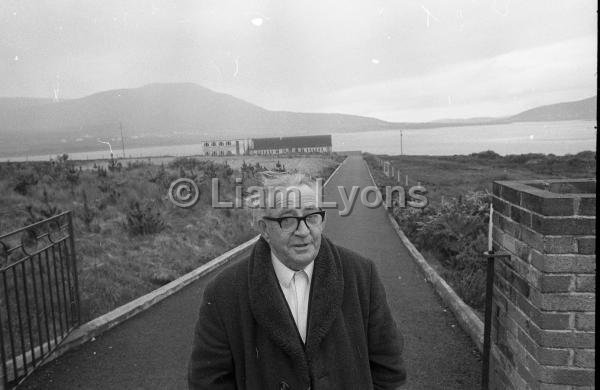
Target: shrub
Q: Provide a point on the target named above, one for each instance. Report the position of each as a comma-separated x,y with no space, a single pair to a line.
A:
279,167
37,214
469,285
101,171
111,195
258,168
456,234
48,210
228,171
113,165
131,165
23,181
161,177
185,162
143,219
209,168
88,214
72,175
487,155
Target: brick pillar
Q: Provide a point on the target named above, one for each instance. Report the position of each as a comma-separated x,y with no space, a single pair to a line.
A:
543,334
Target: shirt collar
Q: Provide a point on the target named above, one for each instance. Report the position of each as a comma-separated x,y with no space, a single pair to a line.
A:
285,274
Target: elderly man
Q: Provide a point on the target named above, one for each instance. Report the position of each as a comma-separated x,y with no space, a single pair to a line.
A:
299,312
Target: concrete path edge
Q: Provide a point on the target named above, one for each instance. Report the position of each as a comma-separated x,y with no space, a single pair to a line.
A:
465,316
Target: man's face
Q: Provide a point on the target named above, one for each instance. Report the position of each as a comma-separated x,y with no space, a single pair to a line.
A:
296,248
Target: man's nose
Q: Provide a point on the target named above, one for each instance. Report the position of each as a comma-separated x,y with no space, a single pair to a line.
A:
302,229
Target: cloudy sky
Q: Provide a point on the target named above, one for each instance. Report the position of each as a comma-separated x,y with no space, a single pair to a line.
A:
400,60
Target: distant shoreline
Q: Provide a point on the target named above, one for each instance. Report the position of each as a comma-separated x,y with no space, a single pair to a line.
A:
486,135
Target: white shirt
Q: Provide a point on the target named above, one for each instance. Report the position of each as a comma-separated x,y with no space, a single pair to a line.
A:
296,289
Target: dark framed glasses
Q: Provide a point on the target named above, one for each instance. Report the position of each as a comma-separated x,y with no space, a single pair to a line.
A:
290,224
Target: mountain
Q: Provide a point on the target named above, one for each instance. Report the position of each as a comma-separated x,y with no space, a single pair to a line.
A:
167,108
185,113
567,111
578,110
156,114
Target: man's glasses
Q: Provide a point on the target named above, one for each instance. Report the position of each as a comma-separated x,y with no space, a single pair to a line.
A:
290,224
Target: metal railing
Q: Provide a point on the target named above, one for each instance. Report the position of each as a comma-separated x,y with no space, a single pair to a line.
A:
39,294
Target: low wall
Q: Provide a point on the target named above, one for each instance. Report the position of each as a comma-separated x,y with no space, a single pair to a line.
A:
543,333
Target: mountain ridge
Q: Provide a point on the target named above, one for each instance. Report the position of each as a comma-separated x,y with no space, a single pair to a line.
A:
583,109
175,113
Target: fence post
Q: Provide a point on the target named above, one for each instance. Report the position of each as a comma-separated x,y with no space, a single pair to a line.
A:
74,259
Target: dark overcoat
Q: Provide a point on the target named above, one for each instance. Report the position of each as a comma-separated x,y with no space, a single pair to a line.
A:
246,337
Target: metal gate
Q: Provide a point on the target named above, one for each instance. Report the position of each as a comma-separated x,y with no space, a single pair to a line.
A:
39,295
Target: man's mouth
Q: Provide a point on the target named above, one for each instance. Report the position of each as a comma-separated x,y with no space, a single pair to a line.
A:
300,246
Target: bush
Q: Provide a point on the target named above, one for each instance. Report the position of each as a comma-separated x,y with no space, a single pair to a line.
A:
114,165
451,227
143,219
72,176
88,213
456,233
23,181
258,168
131,165
101,171
161,177
228,171
40,213
185,162
487,155
279,167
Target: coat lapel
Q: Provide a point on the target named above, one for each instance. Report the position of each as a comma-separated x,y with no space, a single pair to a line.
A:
327,294
270,309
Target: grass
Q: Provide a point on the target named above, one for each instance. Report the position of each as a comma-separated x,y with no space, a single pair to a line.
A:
455,176
129,238
451,231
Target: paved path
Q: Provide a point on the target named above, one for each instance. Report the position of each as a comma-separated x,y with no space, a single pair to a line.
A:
150,351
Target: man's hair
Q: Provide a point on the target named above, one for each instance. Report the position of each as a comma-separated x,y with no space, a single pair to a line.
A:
273,183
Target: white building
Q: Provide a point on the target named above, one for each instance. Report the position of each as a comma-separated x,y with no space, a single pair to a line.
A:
226,147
